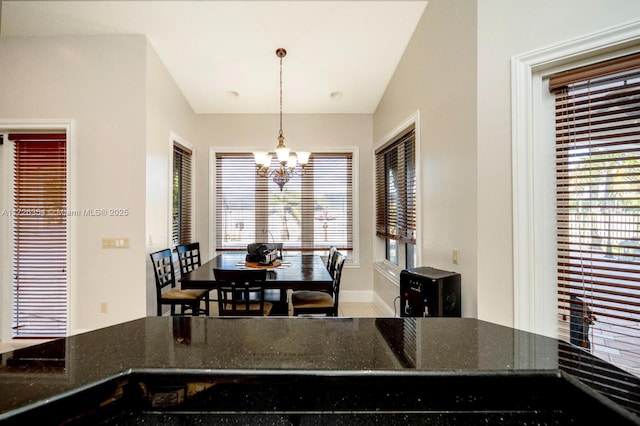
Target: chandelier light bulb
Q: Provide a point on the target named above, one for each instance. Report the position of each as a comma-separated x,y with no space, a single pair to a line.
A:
303,157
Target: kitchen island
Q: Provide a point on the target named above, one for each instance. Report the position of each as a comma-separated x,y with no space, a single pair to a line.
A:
187,370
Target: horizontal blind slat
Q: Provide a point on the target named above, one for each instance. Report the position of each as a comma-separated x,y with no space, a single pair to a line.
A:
314,211
598,202
39,261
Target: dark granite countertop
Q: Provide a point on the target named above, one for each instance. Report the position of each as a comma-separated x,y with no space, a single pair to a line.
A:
195,353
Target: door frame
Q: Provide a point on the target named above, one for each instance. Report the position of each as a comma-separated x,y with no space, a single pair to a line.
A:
6,168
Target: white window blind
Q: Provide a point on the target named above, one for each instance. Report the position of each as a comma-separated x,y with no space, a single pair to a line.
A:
598,208
39,228
312,212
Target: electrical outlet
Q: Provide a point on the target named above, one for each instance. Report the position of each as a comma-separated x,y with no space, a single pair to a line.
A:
104,307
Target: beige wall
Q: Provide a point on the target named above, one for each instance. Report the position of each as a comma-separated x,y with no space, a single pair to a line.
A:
126,107
302,131
99,82
437,75
456,70
168,116
505,29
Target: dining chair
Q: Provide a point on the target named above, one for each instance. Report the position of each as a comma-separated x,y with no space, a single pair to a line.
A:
316,302
273,294
330,257
241,292
168,293
189,257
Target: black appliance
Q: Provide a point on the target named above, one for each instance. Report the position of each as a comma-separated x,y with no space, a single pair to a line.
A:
430,292
261,254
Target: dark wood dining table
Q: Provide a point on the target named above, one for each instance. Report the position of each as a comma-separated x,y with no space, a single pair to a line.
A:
296,272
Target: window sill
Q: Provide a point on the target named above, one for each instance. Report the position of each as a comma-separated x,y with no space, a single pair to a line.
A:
389,271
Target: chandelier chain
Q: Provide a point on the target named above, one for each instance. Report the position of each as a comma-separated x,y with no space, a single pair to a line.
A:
287,168
280,95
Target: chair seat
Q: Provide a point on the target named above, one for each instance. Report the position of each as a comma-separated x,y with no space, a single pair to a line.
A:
179,294
168,293
308,302
253,306
302,299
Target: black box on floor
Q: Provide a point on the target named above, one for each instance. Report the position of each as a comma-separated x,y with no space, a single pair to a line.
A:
430,292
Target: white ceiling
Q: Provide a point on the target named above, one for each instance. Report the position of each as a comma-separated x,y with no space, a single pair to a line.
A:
212,48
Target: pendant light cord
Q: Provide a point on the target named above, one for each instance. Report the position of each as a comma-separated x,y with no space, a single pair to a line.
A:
280,95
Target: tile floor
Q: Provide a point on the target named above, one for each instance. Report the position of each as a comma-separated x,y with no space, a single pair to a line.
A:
361,310
346,309
17,344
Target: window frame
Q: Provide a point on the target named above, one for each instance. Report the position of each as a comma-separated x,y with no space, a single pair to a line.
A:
389,269
533,186
354,255
31,125
181,143
593,233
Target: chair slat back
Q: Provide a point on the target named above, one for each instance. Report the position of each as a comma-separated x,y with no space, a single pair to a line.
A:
334,259
163,269
331,258
189,257
337,275
240,292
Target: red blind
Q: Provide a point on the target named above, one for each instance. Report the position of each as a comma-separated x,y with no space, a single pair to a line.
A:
598,208
313,211
39,261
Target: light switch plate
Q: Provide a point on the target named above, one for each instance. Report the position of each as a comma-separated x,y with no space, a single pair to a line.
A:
109,243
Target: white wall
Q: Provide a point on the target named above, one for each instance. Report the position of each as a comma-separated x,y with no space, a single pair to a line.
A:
508,28
168,115
126,107
437,75
456,70
302,132
99,82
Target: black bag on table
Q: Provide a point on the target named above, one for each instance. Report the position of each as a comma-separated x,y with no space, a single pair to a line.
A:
260,253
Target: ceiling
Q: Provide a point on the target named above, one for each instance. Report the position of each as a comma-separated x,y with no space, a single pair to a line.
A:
222,53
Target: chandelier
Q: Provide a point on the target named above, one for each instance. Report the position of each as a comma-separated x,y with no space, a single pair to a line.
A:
288,160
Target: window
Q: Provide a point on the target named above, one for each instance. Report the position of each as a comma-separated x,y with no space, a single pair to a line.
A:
597,114
312,212
39,235
396,199
181,225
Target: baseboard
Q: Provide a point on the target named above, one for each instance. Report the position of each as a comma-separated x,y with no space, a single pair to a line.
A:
356,296
381,306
